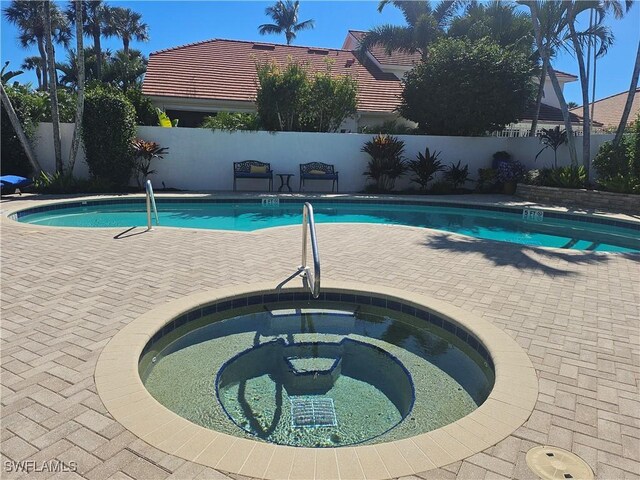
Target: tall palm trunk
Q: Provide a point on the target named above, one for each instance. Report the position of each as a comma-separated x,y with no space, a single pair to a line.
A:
584,87
571,142
98,48
17,126
627,106
53,87
125,45
536,113
75,142
43,57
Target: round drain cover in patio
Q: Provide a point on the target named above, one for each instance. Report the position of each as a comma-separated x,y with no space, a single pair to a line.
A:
553,463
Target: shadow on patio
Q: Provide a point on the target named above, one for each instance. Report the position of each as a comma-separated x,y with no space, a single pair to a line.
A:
520,256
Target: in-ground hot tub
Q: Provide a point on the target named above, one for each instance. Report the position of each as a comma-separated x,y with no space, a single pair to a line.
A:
219,378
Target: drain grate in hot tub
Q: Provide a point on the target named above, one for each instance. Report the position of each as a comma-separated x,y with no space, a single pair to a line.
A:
313,411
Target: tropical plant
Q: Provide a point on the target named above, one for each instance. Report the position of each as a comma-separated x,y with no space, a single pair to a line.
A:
386,163
284,14
425,24
95,23
456,175
164,120
467,88
29,17
126,24
498,20
144,152
232,121
572,105
512,171
621,184
574,176
108,128
33,63
552,138
425,167
125,69
614,160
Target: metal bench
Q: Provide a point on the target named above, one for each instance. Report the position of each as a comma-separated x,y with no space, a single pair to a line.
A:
318,171
252,169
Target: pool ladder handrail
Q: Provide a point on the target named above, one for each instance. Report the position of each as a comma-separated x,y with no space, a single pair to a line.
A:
151,201
313,278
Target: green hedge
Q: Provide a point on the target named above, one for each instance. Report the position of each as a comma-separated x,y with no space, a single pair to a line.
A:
108,128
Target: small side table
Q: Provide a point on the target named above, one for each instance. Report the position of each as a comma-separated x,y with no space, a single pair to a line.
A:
284,181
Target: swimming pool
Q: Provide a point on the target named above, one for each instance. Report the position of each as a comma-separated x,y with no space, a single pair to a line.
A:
551,229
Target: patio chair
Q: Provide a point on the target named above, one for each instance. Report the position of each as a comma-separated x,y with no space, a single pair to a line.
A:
252,169
318,171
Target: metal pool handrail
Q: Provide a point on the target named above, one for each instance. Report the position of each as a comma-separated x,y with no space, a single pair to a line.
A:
313,278
151,201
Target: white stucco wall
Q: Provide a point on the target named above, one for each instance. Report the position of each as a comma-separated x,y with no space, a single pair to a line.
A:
200,159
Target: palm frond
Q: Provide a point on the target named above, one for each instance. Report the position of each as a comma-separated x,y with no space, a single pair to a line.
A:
306,25
269,28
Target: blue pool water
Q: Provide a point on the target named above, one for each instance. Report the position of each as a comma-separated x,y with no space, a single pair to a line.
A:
553,231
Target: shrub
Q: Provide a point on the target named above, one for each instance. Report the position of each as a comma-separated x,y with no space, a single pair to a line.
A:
567,177
425,167
487,180
457,175
31,108
145,111
232,121
390,127
108,129
386,163
621,184
611,161
467,88
512,171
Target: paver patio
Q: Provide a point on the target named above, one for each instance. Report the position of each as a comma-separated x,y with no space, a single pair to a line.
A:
66,292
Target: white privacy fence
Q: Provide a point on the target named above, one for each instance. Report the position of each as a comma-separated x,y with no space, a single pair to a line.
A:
199,159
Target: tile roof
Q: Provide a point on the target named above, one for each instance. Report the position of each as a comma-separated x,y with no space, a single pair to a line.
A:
608,111
226,70
396,57
549,114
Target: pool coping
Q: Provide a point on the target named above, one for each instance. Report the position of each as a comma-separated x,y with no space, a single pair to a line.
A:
466,201
508,406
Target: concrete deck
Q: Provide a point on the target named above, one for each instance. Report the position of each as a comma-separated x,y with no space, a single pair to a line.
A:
67,292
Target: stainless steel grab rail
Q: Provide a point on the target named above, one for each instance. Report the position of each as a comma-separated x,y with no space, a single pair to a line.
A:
151,201
313,278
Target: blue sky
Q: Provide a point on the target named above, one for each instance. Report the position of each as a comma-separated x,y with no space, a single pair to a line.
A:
174,23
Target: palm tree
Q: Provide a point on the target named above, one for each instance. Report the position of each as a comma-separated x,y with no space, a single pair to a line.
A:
285,16
75,141
34,63
28,16
125,69
498,20
596,32
424,25
15,121
53,86
627,106
95,18
125,24
549,27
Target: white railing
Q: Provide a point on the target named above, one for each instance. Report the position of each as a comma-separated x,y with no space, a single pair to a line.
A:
312,278
151,202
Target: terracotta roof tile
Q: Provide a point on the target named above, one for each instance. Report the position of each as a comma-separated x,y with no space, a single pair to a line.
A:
396,57
549,114
608,111
226,70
